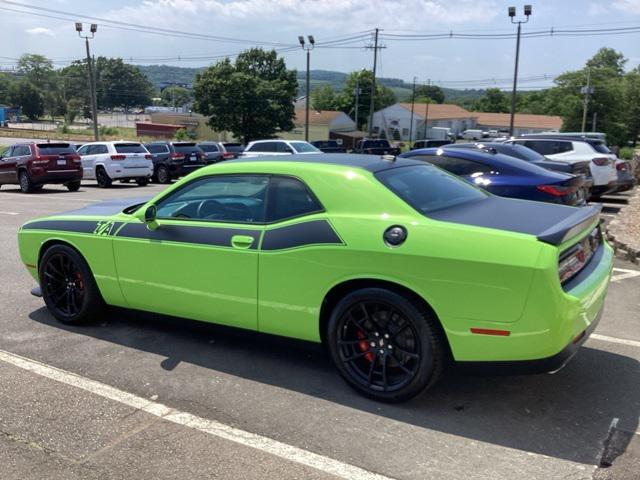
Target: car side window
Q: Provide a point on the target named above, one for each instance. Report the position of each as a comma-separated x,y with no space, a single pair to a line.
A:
282,147
84,150
548,147
99,149
222,198
9,152
258,147
21,151
289,198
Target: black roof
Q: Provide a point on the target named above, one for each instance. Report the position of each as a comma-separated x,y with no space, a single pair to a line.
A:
372,163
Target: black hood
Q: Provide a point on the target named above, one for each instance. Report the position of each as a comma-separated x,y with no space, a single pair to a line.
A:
110,207
549,222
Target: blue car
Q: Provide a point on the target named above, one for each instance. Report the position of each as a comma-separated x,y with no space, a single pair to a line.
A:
506,176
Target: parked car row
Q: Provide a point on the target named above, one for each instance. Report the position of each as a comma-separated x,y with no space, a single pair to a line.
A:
31,165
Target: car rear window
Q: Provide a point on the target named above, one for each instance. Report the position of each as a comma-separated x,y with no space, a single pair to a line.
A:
55,148
209,147
129,148
186,147
427,188
233,147
600,147
375,144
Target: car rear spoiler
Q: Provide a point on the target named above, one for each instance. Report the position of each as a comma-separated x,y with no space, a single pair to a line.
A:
571,226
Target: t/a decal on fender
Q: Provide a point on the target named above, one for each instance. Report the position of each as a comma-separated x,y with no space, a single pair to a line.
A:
104,227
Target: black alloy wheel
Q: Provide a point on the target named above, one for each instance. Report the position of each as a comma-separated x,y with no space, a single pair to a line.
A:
26,185
385,345
162,174
102,177
67,285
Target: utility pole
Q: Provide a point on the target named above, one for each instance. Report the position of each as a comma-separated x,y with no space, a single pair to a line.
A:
413,102
373,81
357,92
92,82
426,115
586,91
593,123
308,49
512,14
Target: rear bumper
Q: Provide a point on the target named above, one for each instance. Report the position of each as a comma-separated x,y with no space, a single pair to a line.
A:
53,176
118,172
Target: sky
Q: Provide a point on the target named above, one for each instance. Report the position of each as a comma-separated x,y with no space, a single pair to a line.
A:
449,62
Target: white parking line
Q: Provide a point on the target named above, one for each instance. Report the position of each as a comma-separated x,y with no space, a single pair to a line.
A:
48,198
621,341
211,427
9,213
626,273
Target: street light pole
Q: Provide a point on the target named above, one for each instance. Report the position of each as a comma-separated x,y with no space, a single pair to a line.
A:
92,85
512,14
413,102
308,49
373,81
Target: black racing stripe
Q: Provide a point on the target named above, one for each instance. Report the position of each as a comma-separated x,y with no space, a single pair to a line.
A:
78,226
316,232
188,234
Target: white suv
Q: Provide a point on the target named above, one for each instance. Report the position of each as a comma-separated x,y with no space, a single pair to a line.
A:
602,163
261,148
108,161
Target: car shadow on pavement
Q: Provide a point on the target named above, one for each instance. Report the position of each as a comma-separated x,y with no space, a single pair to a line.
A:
567,415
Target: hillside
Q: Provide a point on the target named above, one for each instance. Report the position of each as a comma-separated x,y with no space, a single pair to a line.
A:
161,75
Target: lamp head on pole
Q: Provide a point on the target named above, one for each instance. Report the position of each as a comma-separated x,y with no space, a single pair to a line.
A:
512,12
527,10
94,27
301,40
78,27
312,40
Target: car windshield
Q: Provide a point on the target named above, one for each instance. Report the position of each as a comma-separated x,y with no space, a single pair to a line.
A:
519,151
427,188
303,147
129,148
55,148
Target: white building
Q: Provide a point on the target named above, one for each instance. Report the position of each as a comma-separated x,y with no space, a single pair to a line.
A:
398,117
523,123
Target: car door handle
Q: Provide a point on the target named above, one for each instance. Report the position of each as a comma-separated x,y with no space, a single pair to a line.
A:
242,241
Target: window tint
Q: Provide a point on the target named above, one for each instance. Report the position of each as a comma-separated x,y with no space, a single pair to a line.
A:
427,189
83,150
518,151
376,144
600,147
21,151
233,147
157,148
129,148
209,147
289,197
97,149
301,147
55,149
186,148
457,166
548,147
281,147
265,147
223,198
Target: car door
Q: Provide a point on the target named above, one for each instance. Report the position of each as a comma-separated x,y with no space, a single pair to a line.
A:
8,167
201,262
86,159
297,255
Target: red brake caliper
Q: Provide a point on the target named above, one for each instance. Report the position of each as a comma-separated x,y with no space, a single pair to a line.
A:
364,346
80,283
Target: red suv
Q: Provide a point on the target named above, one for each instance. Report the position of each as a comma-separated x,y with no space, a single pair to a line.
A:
31,165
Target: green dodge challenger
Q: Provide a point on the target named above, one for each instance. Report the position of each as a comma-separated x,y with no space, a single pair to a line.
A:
398,267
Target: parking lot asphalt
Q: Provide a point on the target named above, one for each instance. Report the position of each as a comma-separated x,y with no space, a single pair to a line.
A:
144,396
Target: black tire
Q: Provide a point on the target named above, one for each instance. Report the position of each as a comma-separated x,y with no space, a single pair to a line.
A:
162,174
73,186
126,180
142,181
26,185
68,287
385,345
102,177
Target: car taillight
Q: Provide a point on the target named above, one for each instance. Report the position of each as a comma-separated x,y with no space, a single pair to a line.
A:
148,156
623,166
601,161
176,155
118,157
576,257
556,190
39,161
227,155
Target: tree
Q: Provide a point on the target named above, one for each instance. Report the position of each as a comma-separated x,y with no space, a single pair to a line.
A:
175,96
5,89
74,108
428,92
346,100
121,85
608,58
37,69
252,98
29,98
323,98
632,101
494,101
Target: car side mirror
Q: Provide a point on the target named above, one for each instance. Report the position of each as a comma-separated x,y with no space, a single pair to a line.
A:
150,215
